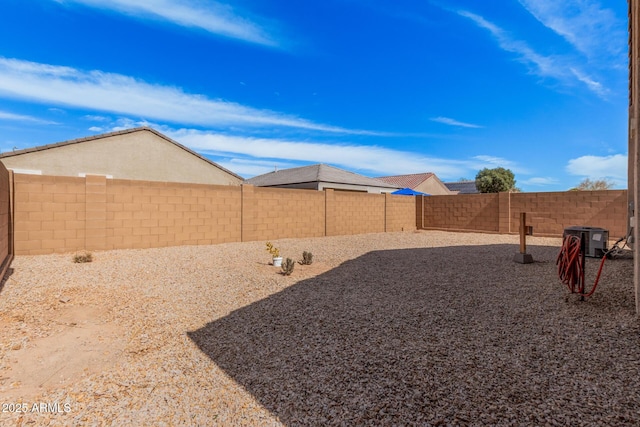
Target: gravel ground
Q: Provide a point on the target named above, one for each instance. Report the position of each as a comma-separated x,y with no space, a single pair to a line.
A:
414,328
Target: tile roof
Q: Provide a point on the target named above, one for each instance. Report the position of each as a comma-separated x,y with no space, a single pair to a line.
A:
315,173
406,181
462,187
110,134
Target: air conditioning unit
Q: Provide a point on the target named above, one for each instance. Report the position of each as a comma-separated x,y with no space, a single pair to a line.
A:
596,239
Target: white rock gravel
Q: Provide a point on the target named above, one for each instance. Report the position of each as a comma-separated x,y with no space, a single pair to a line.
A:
416,328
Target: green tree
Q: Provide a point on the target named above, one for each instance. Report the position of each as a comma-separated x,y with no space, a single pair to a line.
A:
495,180
588,185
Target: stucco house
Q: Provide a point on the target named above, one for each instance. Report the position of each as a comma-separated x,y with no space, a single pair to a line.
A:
137,154
320,177
424,182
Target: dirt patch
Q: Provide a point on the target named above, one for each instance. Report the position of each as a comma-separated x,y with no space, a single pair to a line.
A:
82,343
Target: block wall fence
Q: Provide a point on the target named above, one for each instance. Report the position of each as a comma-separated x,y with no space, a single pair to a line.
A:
549,213
68,214
6,237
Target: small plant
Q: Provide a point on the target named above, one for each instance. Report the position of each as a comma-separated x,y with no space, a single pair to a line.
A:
85,257
287,267
307,258
275,252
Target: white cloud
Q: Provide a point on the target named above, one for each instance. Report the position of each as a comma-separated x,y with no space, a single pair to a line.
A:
593,85
23,118
453,122
590,28
213,17
249,156
613,167
96,129
484,161
555,67
540,181
372,158
95,118
116,93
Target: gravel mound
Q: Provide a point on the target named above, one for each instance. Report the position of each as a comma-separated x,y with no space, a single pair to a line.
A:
414,328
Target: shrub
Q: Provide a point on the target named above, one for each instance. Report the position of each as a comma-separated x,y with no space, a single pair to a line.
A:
275,252
85,257
287,266
307,258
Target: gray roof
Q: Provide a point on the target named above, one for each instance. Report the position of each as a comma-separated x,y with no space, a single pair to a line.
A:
315,173
106,135
462,187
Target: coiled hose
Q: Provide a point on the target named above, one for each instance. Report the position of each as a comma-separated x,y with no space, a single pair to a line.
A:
571,268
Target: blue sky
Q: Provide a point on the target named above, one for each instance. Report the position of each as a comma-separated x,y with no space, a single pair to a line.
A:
379,87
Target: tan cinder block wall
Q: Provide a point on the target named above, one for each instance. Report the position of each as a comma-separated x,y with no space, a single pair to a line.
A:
6,249
50,214
275,213
67,214
477,212
147,214
354,213
550,213
400,213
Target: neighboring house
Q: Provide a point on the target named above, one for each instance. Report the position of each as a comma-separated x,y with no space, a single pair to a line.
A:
320,177
424,182
462,187
138,154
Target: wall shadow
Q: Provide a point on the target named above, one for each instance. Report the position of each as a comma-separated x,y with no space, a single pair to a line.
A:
453,335
4,278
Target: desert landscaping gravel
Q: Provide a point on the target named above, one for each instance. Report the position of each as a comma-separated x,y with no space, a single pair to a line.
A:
397,329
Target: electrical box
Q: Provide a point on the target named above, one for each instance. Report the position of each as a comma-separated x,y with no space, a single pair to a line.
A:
596,239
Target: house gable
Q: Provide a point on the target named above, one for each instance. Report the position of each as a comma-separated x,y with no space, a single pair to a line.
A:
139,154
424,182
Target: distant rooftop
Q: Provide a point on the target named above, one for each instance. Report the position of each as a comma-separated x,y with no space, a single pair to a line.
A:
462,187
406,181
315,173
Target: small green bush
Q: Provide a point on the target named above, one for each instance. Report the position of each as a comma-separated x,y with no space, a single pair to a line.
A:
287,266
85,257
307,258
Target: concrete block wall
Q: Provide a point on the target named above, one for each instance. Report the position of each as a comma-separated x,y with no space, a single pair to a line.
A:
146,214
549,213
69,214
354,213
275,213
49,214
400,213
6,246
477,212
